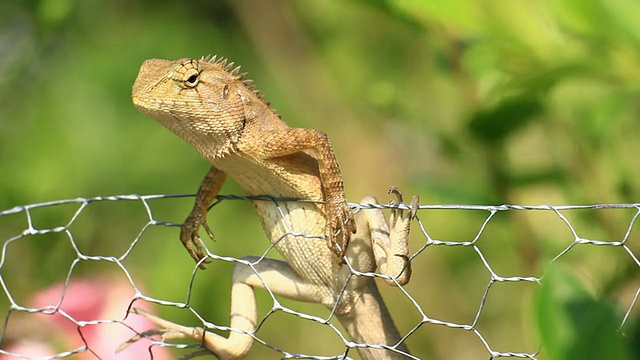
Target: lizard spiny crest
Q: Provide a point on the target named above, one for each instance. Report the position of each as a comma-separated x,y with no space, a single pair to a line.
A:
222,61
248,83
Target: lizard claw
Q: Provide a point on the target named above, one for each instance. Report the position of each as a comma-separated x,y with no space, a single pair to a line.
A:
414,206
395,191
189,235
398,213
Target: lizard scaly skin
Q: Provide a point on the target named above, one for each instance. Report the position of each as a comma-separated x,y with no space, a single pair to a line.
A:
211,106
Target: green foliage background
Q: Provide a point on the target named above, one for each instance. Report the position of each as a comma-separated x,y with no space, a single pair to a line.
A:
476,102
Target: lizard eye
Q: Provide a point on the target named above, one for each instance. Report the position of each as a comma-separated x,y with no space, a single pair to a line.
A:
192,78
186,75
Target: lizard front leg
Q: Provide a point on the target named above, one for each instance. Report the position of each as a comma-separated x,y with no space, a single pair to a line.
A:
207,192
275,143
276,275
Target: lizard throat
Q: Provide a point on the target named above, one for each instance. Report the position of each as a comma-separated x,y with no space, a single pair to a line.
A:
212,141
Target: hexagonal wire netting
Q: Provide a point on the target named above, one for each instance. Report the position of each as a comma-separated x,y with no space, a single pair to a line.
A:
453,286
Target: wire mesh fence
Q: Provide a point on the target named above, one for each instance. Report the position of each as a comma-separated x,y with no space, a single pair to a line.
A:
477,270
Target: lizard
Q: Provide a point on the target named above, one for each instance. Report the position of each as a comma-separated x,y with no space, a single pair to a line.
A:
211,105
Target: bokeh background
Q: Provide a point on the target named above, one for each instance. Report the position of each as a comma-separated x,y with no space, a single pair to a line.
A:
464,101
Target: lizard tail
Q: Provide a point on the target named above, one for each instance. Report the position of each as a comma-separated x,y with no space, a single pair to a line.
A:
369,322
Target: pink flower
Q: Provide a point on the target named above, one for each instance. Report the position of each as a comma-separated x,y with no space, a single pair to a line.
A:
85,299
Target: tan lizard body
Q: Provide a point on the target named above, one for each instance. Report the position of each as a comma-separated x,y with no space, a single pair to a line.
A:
212,107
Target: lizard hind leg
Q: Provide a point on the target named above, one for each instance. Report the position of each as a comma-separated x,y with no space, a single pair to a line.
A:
251,272
242,323
236,346
168,331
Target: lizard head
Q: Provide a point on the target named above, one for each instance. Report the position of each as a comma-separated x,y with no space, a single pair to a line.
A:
202,101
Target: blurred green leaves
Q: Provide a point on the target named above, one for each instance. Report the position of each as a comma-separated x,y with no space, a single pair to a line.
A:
495,124
575,325
52,12
459,101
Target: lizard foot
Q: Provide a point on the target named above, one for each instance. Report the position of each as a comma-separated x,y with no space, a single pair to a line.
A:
236,346
167,331
189,235
340,226
400,224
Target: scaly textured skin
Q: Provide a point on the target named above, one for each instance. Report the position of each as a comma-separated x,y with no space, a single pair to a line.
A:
211,106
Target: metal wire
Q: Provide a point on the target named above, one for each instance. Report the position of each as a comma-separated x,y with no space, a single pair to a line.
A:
24,213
